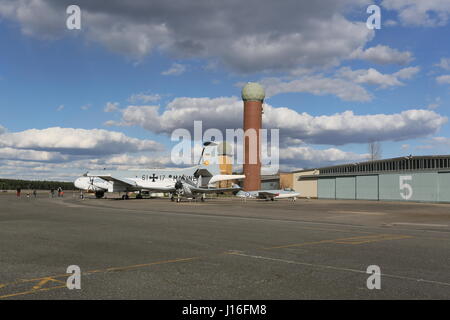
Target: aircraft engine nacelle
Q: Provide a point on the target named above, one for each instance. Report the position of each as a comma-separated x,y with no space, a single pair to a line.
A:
187,190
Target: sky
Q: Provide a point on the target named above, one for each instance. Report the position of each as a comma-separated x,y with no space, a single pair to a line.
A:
110,94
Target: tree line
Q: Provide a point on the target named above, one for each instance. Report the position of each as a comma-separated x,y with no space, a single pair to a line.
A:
10,184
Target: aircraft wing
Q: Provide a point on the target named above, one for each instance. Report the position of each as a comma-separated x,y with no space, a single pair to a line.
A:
109,177
213,190
225,177
267,194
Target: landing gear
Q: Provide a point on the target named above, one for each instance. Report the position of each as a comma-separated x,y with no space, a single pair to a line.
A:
125,197
139,196
172,198
99,194
202,199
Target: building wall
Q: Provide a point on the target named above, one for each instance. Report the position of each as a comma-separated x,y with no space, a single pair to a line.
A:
273,184
431,186
226,167
346,188
367,187
306,187
286,180
326,188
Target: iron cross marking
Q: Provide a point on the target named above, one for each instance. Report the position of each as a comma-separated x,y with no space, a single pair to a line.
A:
153,178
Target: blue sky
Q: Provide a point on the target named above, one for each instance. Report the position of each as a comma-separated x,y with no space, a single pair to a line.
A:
332,84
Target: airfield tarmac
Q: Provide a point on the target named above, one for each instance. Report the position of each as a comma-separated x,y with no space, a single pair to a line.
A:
222,249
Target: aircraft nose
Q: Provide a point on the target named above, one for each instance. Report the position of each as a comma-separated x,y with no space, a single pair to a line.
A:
78,183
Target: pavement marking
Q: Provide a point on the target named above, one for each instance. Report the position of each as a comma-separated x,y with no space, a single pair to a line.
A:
30,292
39,282
338,268
44,281
373,238
418,224
351,240
360,212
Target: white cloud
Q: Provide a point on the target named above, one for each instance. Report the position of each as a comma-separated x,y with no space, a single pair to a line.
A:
435,104
60,108
383,55
346,127
444,79
437,144
317,85
141,161
407,73
308,157
76,141
144,98
444,64
175,70
374,77
111,107
281,36
337,129
441,140
2,129
85,107
345,83
428,13
31,155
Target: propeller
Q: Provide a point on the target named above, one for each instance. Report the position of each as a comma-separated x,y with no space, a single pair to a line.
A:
178,184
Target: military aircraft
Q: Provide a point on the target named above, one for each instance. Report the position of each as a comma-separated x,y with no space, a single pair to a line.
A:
269,194
194,182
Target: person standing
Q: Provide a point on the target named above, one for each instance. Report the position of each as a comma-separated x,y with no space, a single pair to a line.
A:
18,192
34,193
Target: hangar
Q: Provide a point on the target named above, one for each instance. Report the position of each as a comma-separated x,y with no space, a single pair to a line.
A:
412,178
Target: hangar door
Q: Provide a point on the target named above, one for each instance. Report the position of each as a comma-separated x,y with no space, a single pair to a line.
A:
409,186
326,188
367,187
346,188
444,186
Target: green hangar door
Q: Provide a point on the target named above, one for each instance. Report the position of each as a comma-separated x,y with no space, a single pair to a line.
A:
409,186
367,187
444,186
326,188
346,188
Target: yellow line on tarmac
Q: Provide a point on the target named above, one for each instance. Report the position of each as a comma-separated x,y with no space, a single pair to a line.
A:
30,292
42,281
351,240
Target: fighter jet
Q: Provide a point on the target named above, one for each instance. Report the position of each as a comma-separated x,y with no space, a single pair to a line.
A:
269,194
194,182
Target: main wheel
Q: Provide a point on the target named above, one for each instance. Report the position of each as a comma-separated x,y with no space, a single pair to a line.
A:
99,194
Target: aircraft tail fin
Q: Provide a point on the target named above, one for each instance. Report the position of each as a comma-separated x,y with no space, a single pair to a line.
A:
209,158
